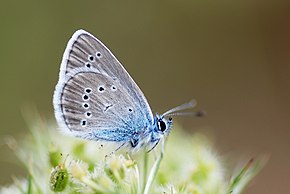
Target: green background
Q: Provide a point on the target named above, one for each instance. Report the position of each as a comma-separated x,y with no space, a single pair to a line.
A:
233,57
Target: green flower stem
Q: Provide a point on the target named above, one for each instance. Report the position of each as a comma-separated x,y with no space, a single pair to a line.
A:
145,169
29,189
138,180
153,173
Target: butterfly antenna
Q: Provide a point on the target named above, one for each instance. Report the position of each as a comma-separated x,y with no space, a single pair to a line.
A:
185,106
199,113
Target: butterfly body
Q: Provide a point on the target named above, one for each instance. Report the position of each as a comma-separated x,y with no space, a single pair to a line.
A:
96,98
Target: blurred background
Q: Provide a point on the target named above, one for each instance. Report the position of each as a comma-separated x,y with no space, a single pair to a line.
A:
233,57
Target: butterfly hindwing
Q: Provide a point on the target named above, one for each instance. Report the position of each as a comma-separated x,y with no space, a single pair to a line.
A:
96,106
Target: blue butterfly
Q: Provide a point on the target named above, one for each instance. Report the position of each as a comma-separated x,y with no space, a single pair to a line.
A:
96,99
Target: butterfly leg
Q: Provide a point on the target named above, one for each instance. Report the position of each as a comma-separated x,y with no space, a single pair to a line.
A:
154,146
134,142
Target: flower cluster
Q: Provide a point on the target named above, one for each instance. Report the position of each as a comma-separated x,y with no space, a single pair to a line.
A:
57,163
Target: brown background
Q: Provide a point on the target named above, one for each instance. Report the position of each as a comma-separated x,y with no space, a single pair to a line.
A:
232,56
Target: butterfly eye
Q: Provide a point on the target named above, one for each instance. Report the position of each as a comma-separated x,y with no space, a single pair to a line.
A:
161,125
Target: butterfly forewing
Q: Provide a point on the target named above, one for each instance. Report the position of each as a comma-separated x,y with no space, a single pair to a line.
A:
96,94
84,50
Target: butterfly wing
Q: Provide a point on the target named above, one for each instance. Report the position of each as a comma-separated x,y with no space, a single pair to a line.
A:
95,97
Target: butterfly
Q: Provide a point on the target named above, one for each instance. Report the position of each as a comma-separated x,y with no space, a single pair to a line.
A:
96,99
